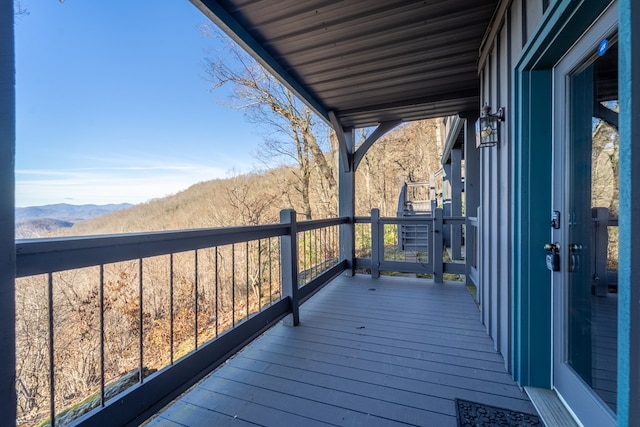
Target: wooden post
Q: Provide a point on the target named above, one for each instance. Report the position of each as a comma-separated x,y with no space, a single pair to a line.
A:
346,200
471,190
456,202
289,265
438,242
377,242
7,213
446,203
600,249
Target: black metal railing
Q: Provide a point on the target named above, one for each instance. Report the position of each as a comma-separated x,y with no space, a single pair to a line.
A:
144,316
317,249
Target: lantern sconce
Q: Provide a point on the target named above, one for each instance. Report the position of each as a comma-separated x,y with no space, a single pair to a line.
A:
488,127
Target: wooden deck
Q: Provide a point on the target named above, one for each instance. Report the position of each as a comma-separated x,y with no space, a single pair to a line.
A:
367,352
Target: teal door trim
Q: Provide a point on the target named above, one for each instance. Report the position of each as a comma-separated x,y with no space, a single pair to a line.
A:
629,259
532,287
563,22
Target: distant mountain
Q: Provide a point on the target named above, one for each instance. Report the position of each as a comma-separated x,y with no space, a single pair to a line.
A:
67,212
34,228
37,221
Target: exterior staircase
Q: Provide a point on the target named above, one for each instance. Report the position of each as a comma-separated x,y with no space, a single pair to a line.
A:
414,201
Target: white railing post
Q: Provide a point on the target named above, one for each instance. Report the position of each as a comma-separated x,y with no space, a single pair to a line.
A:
289,265
438,242
377,242
600,247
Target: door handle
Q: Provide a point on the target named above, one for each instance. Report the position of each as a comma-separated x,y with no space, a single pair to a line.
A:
575,248
552,247
553,256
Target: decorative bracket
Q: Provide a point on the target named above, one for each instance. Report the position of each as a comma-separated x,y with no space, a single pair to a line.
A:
382,129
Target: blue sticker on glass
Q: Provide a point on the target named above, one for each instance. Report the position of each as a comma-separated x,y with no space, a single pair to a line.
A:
603,46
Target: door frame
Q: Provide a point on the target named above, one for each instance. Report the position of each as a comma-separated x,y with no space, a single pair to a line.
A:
568,384
563,23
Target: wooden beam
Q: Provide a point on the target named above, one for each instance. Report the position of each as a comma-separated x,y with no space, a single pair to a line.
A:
382,129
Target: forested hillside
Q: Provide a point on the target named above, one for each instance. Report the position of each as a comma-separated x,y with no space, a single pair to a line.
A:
411,152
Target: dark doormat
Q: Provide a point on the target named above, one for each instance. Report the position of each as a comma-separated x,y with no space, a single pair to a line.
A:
472,414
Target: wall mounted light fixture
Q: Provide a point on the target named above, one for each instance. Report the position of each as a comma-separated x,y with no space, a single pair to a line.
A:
488,127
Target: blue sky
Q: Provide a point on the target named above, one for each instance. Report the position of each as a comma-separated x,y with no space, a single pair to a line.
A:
113,104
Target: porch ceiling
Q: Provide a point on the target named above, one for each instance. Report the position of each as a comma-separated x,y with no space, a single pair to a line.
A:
366,60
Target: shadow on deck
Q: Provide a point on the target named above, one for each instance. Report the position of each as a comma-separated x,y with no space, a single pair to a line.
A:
388,351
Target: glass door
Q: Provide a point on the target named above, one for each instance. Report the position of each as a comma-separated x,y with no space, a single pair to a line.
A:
584,231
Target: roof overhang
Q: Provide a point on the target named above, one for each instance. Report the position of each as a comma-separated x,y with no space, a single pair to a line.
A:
368,61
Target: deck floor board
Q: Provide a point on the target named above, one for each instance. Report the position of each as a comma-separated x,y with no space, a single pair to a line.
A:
367,352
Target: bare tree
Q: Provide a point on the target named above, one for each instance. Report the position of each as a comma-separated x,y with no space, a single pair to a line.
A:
19,9
247,201
293,128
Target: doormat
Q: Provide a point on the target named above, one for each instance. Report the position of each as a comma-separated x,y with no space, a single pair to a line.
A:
472,414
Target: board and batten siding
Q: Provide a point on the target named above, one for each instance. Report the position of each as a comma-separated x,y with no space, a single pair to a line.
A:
514,22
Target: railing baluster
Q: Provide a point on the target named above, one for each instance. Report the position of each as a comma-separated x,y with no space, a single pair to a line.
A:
140,325
102,337
336,243
246,274
52,388
270,274
195,297
171,308
316,247
259,275
304,252
217,291
323,253
233,284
